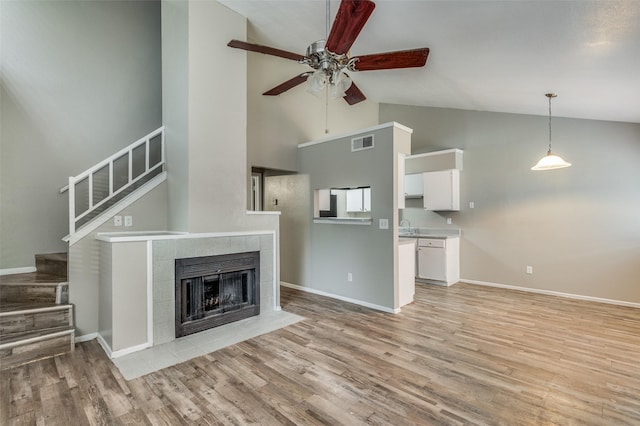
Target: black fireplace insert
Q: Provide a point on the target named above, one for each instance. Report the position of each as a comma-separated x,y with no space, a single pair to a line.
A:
216,290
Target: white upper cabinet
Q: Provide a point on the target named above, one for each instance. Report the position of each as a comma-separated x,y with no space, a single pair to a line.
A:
366,199
413,185
442,190
359,200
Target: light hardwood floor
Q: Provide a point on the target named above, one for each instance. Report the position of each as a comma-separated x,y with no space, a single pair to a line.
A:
460,355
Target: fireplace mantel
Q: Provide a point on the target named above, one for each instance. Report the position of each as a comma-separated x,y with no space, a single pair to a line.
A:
137,281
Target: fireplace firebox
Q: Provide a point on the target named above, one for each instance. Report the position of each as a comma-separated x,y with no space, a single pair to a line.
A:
216,290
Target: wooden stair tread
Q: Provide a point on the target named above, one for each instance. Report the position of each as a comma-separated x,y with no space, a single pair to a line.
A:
17,337
32,278
24,306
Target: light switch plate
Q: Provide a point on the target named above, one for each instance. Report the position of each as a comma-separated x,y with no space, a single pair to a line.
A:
383,223
128,221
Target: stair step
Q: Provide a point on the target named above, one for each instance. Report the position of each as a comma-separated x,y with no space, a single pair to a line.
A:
52,264
36,347
33,289
20,322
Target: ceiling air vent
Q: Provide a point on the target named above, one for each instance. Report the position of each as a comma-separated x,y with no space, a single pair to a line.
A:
364,142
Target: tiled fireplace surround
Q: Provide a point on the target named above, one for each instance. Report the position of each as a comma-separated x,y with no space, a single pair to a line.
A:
166,251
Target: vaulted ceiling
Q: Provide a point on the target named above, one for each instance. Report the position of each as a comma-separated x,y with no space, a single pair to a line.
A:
485,55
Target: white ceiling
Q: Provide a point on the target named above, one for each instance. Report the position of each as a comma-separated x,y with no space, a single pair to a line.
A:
485,55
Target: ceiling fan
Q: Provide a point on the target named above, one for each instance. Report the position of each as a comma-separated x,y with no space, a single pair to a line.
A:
329,59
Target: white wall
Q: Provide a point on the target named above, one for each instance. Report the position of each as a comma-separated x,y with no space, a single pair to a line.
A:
80,80
578,227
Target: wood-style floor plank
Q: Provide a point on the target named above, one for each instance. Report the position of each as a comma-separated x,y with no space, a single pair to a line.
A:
459,355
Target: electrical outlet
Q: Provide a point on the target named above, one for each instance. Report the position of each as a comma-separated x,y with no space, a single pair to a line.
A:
449,221
117,221
349,276
128,221
529,269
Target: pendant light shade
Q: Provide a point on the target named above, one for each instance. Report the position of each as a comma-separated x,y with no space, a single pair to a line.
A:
550,161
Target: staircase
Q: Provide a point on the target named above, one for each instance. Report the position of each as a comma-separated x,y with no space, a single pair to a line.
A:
36,320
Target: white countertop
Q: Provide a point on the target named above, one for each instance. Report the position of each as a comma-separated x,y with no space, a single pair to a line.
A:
439,233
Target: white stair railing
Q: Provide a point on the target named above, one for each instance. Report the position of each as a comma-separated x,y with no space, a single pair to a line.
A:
94,189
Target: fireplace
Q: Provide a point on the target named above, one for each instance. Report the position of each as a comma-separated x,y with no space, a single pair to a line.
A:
215,290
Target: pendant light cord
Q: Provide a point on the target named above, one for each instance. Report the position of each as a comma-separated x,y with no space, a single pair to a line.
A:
550,96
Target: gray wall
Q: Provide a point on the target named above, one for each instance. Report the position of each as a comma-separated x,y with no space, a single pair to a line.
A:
175,101
294,205
149,214
363,250
578,227
80,80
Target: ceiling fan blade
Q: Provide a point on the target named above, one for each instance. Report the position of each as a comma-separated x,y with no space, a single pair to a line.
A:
390,60
264,49
289,84
351,17
353,95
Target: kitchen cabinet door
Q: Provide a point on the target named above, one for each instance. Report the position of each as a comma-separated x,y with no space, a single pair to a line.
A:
366,199
442,190
413,185
355,200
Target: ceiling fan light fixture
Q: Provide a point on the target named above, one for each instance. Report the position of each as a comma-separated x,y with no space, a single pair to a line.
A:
550,161
316,82
339,85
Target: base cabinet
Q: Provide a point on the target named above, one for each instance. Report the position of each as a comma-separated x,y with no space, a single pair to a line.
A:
407,268
439,260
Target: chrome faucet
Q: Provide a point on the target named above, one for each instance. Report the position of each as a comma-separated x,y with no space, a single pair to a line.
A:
408,223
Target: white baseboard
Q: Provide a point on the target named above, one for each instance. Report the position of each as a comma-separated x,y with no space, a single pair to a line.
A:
553,293
344,299
122,352
130,350
105,346
86,337
12,271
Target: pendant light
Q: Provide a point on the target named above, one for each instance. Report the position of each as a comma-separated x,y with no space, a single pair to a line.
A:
550,161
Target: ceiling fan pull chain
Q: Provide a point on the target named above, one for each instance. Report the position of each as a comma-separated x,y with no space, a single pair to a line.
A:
326,109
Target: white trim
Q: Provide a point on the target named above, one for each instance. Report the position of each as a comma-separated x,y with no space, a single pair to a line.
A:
150,293
343,221
553,293
13,271
264,212
357,132
129,350
105,346
344,299
111,211
432,153
125,237
86,337
275,274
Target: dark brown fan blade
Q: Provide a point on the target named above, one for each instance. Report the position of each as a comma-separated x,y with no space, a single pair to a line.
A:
289,84
385,61
264,49
351,17
353,95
